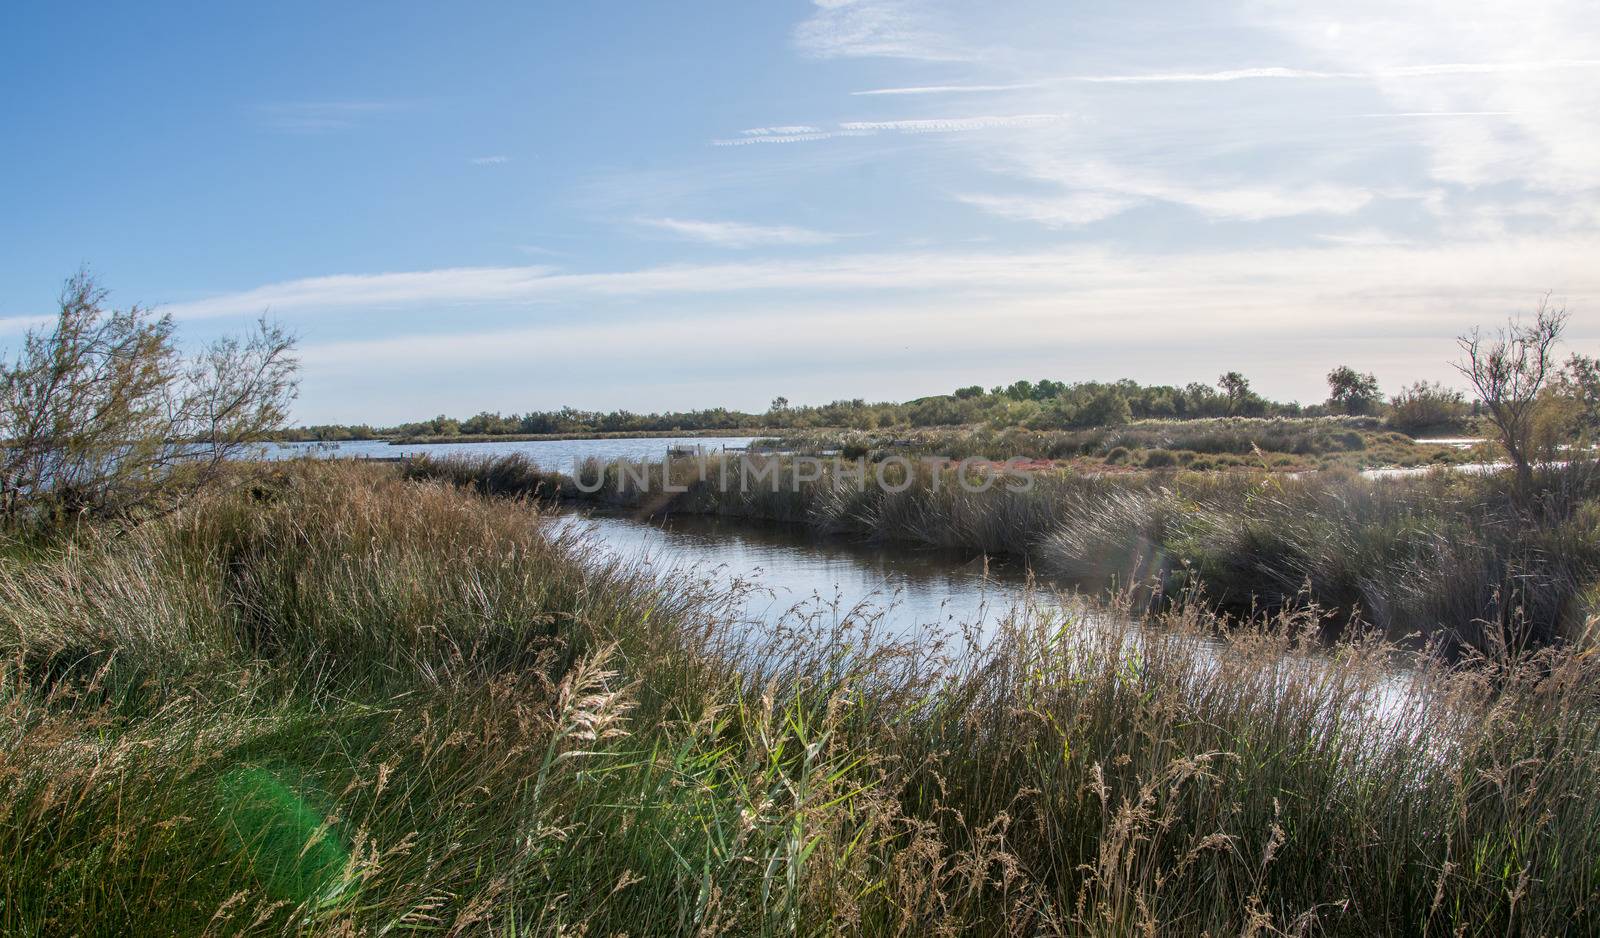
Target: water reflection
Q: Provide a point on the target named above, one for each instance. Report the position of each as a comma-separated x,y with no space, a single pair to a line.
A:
909,589
910,593
560,455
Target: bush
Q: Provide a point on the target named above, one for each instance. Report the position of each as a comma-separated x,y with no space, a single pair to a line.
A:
1117,455
1425,407
1159,459
101,415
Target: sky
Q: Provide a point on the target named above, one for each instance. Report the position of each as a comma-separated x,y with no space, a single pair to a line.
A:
518,206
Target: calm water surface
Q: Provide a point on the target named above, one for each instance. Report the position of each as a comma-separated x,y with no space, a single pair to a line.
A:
906,588
559,455
905,591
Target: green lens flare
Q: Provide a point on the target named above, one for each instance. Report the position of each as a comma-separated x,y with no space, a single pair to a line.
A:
296,853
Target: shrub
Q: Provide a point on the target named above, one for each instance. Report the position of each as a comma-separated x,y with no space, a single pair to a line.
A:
101,415
1159,459
1425,407
1117,455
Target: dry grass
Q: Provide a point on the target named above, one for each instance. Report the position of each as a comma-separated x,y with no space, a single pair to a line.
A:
349,703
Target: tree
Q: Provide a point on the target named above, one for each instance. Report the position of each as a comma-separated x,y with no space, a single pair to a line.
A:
1351,392
779,405
969,392
1106,407
1508,368
1236,388
1579,381
102,414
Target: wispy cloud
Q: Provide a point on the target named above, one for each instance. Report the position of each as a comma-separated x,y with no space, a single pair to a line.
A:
899,29
949,89
1425,114
308,117
535,250
783,130
794,134
1365,237
1089,190
372,291
922,125
1053,211
1402,71
944,125
489,160
730,234
1487,270
15,325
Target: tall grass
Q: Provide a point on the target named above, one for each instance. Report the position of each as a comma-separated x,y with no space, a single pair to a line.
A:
345,702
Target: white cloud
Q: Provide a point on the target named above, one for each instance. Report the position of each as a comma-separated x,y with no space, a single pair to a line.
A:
1479,104
766,135
956,124
731,234
1401,71
1536,64
1292,288
1425,114
1055,211
923,125
371,291
1233,74
948,89
785,130
898,29
16,325
489,160
1365,237
1090,190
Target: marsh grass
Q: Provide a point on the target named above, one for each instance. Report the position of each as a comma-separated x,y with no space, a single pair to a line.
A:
1461,560
1288,443
345,702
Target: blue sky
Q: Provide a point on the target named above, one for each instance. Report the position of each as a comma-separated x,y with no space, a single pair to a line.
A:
515,206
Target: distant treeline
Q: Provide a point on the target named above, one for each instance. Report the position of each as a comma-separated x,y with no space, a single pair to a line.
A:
1041,405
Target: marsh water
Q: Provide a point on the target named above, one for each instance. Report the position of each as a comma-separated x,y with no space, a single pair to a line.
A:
559,455
904,593
905,589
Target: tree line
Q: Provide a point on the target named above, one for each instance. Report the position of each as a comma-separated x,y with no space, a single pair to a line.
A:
1046,404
